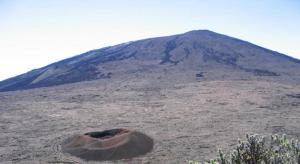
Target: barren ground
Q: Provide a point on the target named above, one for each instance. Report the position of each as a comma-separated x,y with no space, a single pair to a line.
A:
188,121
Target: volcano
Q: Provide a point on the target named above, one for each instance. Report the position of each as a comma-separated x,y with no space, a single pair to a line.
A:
191,56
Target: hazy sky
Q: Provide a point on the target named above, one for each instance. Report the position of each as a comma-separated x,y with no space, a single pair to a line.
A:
34,33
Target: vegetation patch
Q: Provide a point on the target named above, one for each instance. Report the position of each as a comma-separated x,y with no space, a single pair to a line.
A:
256,149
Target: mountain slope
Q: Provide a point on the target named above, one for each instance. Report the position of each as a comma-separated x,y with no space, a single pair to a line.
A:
198,55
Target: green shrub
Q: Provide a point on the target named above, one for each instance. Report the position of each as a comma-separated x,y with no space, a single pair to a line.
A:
258,150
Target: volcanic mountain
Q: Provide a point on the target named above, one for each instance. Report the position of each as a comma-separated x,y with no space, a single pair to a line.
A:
192,56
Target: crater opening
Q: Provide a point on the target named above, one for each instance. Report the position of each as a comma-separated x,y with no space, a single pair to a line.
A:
106,134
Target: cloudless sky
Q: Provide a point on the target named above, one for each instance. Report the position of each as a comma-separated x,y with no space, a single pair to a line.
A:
34,33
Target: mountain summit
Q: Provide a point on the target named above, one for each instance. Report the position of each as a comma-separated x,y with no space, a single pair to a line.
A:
195,55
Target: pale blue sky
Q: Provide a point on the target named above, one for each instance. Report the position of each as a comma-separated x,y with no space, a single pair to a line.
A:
34,33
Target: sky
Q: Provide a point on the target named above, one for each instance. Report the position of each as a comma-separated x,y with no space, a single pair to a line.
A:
35,33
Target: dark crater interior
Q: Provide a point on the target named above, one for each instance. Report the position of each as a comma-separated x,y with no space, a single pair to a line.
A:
106,133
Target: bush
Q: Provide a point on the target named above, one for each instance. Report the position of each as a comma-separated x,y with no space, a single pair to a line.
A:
258,150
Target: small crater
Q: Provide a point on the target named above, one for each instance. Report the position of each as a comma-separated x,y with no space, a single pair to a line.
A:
113,144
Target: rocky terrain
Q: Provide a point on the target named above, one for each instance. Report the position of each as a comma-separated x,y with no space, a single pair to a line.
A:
188,121
192,93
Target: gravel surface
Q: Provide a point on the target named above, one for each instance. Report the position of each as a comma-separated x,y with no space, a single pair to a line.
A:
187,121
